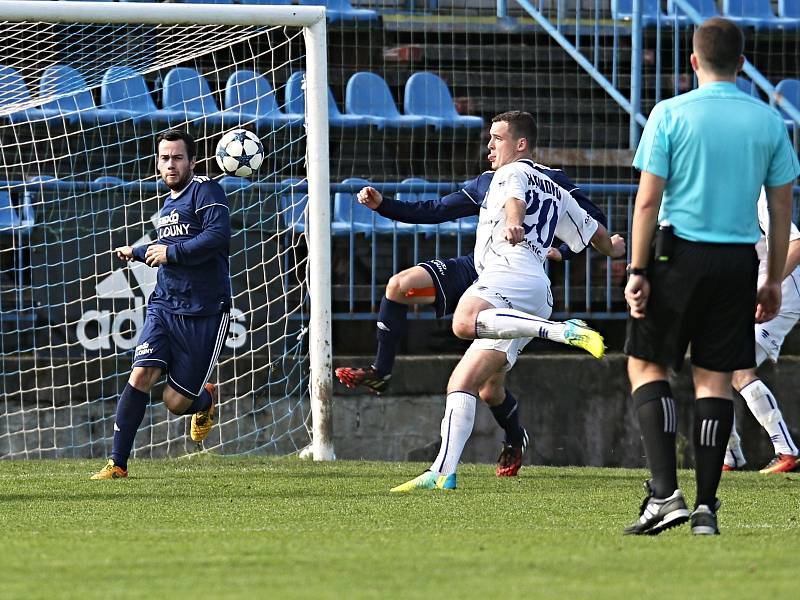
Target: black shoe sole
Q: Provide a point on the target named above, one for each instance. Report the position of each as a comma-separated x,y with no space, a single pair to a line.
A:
658,528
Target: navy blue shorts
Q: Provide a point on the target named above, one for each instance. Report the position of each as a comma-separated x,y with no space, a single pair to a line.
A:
451,278
186,347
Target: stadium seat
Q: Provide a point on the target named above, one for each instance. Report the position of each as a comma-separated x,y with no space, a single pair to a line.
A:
748,87
349,215
14,91
789,9
755,13
73,97
187,92
267,2
122,88
292,206
110,181
706,9
426,95
296,104
789,89
426,228
622,10
249,97
368,95
342,10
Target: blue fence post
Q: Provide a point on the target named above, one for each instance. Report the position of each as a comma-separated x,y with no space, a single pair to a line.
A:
636,73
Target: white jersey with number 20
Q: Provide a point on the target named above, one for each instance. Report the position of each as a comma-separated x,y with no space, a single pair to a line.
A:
550,212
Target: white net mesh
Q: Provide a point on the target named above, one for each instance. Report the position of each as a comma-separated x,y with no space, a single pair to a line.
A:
80,107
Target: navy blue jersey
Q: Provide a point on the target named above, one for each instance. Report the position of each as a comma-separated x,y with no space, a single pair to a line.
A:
196,228
467,201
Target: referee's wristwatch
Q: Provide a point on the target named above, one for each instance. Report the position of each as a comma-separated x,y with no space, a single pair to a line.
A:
635,271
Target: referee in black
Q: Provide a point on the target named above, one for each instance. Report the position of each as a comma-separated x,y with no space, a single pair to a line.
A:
703,157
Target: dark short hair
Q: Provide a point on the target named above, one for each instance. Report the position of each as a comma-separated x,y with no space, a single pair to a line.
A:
520,123
719,43
173,135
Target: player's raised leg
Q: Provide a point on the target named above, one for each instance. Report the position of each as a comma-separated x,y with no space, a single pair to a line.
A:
506,323
413,286
198,341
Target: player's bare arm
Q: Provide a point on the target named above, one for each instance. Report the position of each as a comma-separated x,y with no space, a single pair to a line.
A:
768,298
792,258
514,232
124,253
370,197
156,255
645,215
610,245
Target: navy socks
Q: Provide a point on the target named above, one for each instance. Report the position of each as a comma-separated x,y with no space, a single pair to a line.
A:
507,416
392,327
131,407
200,403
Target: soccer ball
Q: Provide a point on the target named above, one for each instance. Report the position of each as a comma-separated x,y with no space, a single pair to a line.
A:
239,153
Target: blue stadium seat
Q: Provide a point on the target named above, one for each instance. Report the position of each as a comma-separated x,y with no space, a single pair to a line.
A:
73,97
122,88
426,228
267,2
748,87
342,10
249,97
186,91
755,13
789,9
110,181
349,215
292,206
622,10
296,104
368,95
706,8
426,95
14,91
789,89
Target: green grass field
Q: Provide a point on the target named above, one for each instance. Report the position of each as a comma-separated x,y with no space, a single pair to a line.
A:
257,528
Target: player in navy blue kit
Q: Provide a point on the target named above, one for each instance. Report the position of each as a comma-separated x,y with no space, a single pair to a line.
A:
188,312
441,283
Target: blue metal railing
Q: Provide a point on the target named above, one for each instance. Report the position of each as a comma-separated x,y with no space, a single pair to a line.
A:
589,286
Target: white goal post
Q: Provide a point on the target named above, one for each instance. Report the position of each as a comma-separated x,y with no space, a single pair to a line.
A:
312,21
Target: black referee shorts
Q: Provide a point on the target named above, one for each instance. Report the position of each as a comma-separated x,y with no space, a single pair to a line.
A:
705,295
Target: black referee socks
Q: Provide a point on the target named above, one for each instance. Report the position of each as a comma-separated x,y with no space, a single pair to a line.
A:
713,421
658,422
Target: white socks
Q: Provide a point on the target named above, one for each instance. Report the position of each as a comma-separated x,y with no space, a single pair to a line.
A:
459,417
734,457
765,409
509,324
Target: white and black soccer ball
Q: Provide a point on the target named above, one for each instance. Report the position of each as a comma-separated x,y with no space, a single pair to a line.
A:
240,153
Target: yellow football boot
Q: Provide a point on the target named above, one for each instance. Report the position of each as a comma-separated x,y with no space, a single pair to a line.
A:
110,471
203,421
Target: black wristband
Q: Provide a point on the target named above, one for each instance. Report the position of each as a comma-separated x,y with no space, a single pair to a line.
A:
635,271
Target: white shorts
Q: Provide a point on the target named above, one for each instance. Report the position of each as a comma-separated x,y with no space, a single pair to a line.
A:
501,290
770,335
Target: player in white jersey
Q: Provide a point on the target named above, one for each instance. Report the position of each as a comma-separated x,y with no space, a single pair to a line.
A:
521,213
769,338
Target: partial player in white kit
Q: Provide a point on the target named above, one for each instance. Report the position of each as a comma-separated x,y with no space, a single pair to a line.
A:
521,214
769,339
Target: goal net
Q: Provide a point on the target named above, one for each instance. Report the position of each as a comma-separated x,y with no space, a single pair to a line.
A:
84,91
